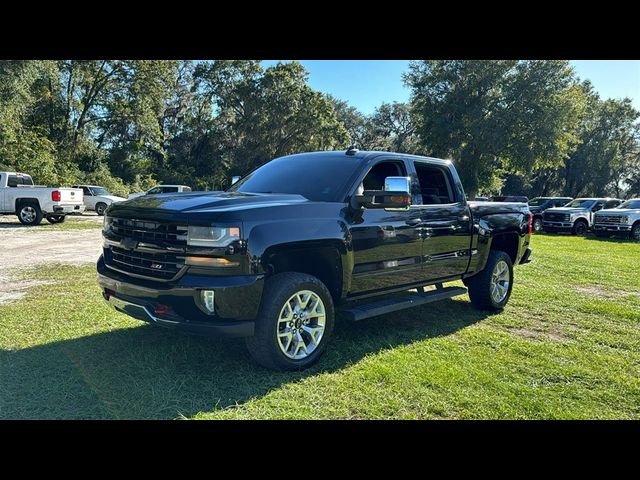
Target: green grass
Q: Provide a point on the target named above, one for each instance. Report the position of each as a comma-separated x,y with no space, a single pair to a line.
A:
567,346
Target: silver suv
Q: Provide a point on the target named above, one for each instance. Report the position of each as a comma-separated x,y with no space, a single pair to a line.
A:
622,220
576,216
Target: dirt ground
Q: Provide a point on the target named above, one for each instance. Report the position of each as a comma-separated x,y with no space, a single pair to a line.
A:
26,247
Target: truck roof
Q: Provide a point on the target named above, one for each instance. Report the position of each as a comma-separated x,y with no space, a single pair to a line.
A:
365,155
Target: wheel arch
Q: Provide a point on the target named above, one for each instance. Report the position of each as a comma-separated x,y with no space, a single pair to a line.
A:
323,260
21,200
507,242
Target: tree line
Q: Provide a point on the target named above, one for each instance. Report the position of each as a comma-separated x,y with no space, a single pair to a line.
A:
517,127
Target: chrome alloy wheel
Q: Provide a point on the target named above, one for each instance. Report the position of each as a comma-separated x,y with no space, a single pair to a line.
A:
301,324
28,214
500,279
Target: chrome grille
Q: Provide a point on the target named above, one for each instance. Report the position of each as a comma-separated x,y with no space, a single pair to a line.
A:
608,219
161,266
148,231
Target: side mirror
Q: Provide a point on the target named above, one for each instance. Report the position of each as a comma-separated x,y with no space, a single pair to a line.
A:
235,178
396,195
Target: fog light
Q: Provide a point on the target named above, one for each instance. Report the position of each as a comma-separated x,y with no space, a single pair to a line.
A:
207,299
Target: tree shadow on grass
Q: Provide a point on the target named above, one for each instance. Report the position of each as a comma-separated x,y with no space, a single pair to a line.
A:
148,372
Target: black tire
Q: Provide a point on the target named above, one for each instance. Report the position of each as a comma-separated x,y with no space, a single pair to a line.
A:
635,232
537,225
580,228
53,219
29,213
264,347
100,208
480,285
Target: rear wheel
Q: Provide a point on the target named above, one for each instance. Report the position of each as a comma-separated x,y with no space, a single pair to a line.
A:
100,208
580,228
29,213
294,324
56,219
491,288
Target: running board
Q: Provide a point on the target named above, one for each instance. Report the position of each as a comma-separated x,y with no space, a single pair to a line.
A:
382,307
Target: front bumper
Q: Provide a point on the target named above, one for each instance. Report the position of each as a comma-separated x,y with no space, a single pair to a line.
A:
556,226
237,300
69,209
600,227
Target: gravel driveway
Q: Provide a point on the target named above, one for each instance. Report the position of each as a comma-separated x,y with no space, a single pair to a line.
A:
25,247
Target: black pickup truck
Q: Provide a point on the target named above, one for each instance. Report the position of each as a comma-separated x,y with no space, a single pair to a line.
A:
277,255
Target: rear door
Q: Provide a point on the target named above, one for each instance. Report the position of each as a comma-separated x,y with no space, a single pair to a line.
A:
89,198
445,220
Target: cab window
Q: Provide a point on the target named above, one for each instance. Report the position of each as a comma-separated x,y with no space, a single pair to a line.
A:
154,190
612,204
169,189
434,186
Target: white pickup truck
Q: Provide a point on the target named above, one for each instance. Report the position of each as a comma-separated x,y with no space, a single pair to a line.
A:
31,203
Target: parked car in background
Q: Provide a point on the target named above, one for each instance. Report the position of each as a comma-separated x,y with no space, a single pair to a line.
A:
622,220
270,258
162,189
98,198
31,203
539,204
510,198
576,216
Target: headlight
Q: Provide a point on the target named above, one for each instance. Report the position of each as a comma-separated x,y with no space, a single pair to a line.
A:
212,236
624,220
106,224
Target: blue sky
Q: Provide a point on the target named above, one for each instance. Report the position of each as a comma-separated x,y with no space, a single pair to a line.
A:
365,84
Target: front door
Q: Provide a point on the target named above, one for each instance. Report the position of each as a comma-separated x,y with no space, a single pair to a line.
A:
445,221
387,244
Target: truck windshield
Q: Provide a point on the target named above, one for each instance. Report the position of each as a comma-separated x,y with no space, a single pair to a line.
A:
580,204
319,178
630,204
100,191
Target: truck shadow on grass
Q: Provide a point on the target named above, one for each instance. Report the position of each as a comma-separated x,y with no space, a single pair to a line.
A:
149,372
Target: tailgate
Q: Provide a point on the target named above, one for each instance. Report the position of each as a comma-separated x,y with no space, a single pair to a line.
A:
71,195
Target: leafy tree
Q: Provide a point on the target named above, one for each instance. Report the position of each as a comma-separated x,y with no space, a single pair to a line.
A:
492,115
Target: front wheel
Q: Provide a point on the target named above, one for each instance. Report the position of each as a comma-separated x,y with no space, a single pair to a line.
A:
491,288
295,322
53,219
580,228
537,225
635,232
100,208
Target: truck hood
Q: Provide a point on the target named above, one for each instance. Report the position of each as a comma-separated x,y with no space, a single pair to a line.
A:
211,202
111,198
565,210
619,211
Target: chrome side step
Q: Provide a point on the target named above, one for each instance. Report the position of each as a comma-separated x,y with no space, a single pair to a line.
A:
388,305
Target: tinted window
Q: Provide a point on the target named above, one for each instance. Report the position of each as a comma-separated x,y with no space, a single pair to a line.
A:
169,189
13,181
536,202
154,190
580,203
630,204
100,191
434,188
598,206
612,204
320,178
